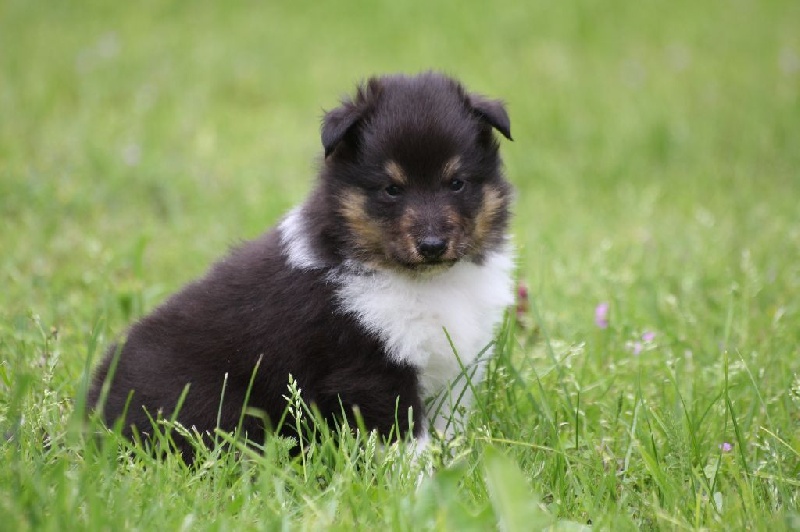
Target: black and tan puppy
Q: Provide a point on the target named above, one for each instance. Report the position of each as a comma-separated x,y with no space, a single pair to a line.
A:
402,239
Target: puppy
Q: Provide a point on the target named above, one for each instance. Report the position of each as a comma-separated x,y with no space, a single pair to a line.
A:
376,294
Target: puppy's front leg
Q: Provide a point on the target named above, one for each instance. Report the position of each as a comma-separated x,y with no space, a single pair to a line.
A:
448,409
387,399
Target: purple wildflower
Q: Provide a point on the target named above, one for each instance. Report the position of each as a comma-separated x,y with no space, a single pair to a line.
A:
648,337
523,300
636,348
726,447
601,315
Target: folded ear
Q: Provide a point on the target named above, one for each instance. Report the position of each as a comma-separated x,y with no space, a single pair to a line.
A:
336,124
339,122
493,112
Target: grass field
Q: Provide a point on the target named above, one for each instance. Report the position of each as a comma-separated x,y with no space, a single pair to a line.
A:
657,167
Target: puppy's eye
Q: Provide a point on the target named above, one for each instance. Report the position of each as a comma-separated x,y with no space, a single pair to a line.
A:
393,190
456,185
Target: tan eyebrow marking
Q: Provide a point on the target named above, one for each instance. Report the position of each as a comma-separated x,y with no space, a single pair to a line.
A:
451,167
396,173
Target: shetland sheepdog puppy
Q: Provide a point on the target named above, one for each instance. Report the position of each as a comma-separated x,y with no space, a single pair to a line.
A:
379,294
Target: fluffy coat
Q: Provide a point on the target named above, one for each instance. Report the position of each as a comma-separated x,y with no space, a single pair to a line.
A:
401,243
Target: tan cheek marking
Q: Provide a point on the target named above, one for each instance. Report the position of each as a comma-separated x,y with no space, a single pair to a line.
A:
455,222
396,174
406,224
452,217
451,167
491,206
368,234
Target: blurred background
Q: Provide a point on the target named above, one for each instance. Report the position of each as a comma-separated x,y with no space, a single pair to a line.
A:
657,221
655,158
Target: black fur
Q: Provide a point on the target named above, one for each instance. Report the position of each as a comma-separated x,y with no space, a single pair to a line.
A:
252,305
248,306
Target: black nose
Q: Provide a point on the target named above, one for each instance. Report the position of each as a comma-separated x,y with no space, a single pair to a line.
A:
432,247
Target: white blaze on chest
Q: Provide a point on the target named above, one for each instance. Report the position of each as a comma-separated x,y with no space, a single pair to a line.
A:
410,315
297,247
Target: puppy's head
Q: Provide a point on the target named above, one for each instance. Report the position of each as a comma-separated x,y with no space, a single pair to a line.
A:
413,174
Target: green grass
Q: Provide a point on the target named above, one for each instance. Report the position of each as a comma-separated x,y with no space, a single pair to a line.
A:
656,161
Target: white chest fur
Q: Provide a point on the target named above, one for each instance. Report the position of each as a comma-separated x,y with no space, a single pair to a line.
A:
410,315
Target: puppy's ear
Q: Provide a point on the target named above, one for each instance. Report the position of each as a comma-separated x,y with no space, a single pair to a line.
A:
493,112
340,122
337,123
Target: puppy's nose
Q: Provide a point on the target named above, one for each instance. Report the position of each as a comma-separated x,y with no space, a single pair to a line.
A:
432,247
